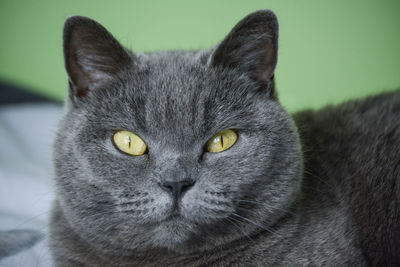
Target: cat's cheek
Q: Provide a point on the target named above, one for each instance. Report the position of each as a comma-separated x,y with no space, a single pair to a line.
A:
145,205
188,204
160,210
200,206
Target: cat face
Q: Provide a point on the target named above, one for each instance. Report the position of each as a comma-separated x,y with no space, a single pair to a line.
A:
176,195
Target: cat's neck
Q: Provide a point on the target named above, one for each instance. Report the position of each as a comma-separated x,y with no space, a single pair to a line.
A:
76,248
286,242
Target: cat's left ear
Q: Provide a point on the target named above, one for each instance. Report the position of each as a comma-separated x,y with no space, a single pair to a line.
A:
251,47
92,55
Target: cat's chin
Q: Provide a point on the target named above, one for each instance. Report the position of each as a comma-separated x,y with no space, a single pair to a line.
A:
174,233
184,236
184,239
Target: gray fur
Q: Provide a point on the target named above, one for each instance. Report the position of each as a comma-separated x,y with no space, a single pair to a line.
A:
253,204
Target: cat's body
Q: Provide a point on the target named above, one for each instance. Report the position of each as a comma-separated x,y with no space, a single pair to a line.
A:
261,202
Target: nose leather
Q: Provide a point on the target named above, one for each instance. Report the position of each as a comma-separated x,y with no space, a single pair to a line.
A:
177,188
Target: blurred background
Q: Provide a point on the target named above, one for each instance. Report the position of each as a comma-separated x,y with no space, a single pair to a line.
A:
330,51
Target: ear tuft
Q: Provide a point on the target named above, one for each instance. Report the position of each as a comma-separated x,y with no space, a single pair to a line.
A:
92,55
251,47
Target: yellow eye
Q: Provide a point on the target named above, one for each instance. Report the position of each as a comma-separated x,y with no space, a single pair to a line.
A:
129,143
222,141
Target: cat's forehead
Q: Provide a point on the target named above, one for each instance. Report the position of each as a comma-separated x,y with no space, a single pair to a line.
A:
178,95
178,92
179,72
185,75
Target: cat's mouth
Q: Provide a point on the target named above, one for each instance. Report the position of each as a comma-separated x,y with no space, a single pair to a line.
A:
175,215
173,219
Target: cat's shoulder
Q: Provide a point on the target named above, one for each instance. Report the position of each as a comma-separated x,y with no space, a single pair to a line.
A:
352,156
357,128
360,113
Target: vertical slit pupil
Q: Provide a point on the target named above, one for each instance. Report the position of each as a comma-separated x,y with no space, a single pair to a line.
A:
222,141
129,141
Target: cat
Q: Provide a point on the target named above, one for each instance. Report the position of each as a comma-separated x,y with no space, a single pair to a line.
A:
186,158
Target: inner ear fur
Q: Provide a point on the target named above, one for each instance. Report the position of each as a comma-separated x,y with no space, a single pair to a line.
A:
251,47
92,55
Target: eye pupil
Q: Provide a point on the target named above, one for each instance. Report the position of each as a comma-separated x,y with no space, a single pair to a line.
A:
222,141
129,143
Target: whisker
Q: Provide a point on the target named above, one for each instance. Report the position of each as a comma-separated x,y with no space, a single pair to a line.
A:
264,227
238,227
265,204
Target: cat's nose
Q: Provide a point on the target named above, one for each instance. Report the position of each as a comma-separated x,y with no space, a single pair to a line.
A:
177,188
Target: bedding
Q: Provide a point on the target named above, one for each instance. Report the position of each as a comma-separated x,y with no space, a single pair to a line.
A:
26,191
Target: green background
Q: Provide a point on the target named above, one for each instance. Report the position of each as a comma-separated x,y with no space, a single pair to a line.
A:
329,51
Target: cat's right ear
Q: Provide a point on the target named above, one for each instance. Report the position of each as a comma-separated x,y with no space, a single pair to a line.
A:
251,48
92,55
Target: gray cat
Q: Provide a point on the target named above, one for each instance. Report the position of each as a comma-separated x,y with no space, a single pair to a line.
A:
187,159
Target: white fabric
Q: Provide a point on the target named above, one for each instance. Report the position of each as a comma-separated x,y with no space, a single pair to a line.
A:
26,184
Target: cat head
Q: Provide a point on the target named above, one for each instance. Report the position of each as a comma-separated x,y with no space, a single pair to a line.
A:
175,192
